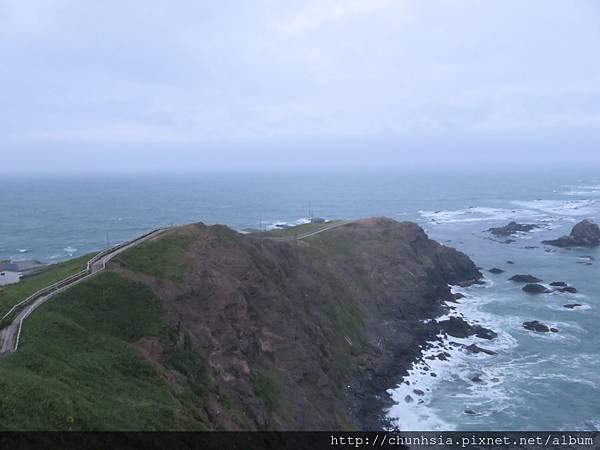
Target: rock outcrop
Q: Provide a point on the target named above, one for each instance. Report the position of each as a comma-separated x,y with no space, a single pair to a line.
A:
585,234
473,348
540,327
304,334
512,228
525,279
534,288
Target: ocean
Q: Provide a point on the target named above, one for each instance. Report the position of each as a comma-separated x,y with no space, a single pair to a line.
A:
536,381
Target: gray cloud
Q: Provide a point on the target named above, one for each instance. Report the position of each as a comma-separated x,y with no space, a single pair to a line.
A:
83,78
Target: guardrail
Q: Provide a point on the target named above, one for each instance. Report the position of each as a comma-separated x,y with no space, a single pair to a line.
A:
113,249
44,291
71,279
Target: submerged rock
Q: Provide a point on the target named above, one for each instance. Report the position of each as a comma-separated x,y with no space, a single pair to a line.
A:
476,378
585,234
496,271
558,284
540,327
567,289
534,288
512,228
525,279
572,305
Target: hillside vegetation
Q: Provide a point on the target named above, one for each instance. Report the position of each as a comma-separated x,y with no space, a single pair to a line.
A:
205,328
14,293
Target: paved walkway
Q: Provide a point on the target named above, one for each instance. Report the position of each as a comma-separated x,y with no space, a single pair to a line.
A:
9,336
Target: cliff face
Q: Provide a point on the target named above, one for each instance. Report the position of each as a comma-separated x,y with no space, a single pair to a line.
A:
293,334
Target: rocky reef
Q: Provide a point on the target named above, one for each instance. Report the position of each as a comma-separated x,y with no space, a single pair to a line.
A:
512,228
585,234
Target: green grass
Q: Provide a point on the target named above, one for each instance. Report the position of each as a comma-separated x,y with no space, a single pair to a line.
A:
325,246
299,230
228,237
75,368
161,257
268,387
348,322
14,293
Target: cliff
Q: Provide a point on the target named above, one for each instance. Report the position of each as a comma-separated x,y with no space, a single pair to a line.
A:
237,331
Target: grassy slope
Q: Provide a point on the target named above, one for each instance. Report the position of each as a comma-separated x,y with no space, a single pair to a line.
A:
76,370
296,231
14,293
161,258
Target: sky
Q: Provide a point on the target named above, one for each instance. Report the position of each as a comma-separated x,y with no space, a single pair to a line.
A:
122,85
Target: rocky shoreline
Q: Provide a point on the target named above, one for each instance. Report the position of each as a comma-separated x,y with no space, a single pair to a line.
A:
373,402
584,234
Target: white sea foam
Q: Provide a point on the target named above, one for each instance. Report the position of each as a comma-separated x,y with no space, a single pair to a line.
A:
278,224
561,207
546,211
415,412
561,307
479,214
582,190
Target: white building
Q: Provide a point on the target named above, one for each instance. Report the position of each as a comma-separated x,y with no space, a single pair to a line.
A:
9,274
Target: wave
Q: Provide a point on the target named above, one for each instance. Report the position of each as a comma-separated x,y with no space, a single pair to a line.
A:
413,409
547,211
585,207
582,190
478,214
278,224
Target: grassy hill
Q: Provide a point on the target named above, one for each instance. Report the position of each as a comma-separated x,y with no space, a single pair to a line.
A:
14,293
205,328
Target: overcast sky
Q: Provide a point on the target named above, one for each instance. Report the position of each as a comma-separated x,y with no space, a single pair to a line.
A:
132,85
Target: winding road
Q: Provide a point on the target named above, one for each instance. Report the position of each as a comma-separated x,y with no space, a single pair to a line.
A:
9,336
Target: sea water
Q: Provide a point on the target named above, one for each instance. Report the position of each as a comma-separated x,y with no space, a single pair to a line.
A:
535,381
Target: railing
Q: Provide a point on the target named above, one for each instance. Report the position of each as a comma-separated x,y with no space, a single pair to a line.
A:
45,291
113,249
71,279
